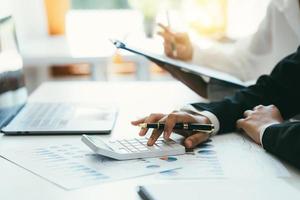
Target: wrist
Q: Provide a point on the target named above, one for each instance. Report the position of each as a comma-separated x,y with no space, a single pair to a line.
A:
263,129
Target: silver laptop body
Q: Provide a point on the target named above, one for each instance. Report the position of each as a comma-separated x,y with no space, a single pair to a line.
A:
18,117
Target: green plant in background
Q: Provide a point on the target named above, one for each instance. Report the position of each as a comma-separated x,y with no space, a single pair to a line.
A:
149,8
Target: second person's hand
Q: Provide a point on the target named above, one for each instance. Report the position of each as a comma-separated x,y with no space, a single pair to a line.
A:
255,120
176,45
170,120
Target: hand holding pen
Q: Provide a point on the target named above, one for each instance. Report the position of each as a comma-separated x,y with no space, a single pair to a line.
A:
193,127
193,138
176,45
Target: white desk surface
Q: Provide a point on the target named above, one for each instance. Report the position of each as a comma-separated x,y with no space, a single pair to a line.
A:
134,99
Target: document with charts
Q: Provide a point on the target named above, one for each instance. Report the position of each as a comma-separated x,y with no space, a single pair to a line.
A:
72,166
227,156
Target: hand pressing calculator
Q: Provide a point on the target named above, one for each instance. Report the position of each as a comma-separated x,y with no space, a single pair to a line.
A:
133,148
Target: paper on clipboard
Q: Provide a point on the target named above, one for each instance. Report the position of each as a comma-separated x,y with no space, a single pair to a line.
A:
184,66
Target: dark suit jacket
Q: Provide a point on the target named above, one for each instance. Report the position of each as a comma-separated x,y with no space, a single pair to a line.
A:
281,88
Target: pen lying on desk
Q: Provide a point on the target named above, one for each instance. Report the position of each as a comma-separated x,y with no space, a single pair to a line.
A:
182,126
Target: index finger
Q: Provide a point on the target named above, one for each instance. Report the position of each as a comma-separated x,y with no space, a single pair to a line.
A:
166,36
166,28
139,121
195,139
154,136
155,133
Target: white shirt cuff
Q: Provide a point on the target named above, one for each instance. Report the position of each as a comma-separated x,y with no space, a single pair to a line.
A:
212,117
262,132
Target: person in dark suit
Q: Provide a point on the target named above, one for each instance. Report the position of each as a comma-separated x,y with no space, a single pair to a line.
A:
262,111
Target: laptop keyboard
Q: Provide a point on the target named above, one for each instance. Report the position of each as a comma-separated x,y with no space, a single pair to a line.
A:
41,115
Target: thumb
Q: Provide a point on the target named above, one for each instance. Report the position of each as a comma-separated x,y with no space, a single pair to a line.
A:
196,139
240,123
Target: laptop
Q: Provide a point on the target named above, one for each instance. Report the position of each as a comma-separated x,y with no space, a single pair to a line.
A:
19,117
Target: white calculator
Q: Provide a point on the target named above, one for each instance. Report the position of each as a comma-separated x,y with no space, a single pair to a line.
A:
133,148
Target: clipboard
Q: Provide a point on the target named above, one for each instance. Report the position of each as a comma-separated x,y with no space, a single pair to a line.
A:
198,70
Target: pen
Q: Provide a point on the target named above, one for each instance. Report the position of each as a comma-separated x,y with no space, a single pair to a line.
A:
206,128
168,19
173,43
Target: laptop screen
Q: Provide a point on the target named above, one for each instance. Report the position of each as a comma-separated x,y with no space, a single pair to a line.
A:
13,93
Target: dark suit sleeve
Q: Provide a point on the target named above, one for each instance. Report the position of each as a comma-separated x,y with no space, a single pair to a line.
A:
283,140
281,88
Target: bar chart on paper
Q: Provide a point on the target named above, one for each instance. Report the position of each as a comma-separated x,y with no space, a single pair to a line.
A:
73,166
200,163
226,156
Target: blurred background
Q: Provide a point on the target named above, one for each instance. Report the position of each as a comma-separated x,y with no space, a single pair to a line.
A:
68,39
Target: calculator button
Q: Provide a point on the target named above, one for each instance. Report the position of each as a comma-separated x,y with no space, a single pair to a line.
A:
131,148
143,149
143,140
156,147
124,147
162,146
123,142
129,141
138,145
152,148
122,150
169,142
